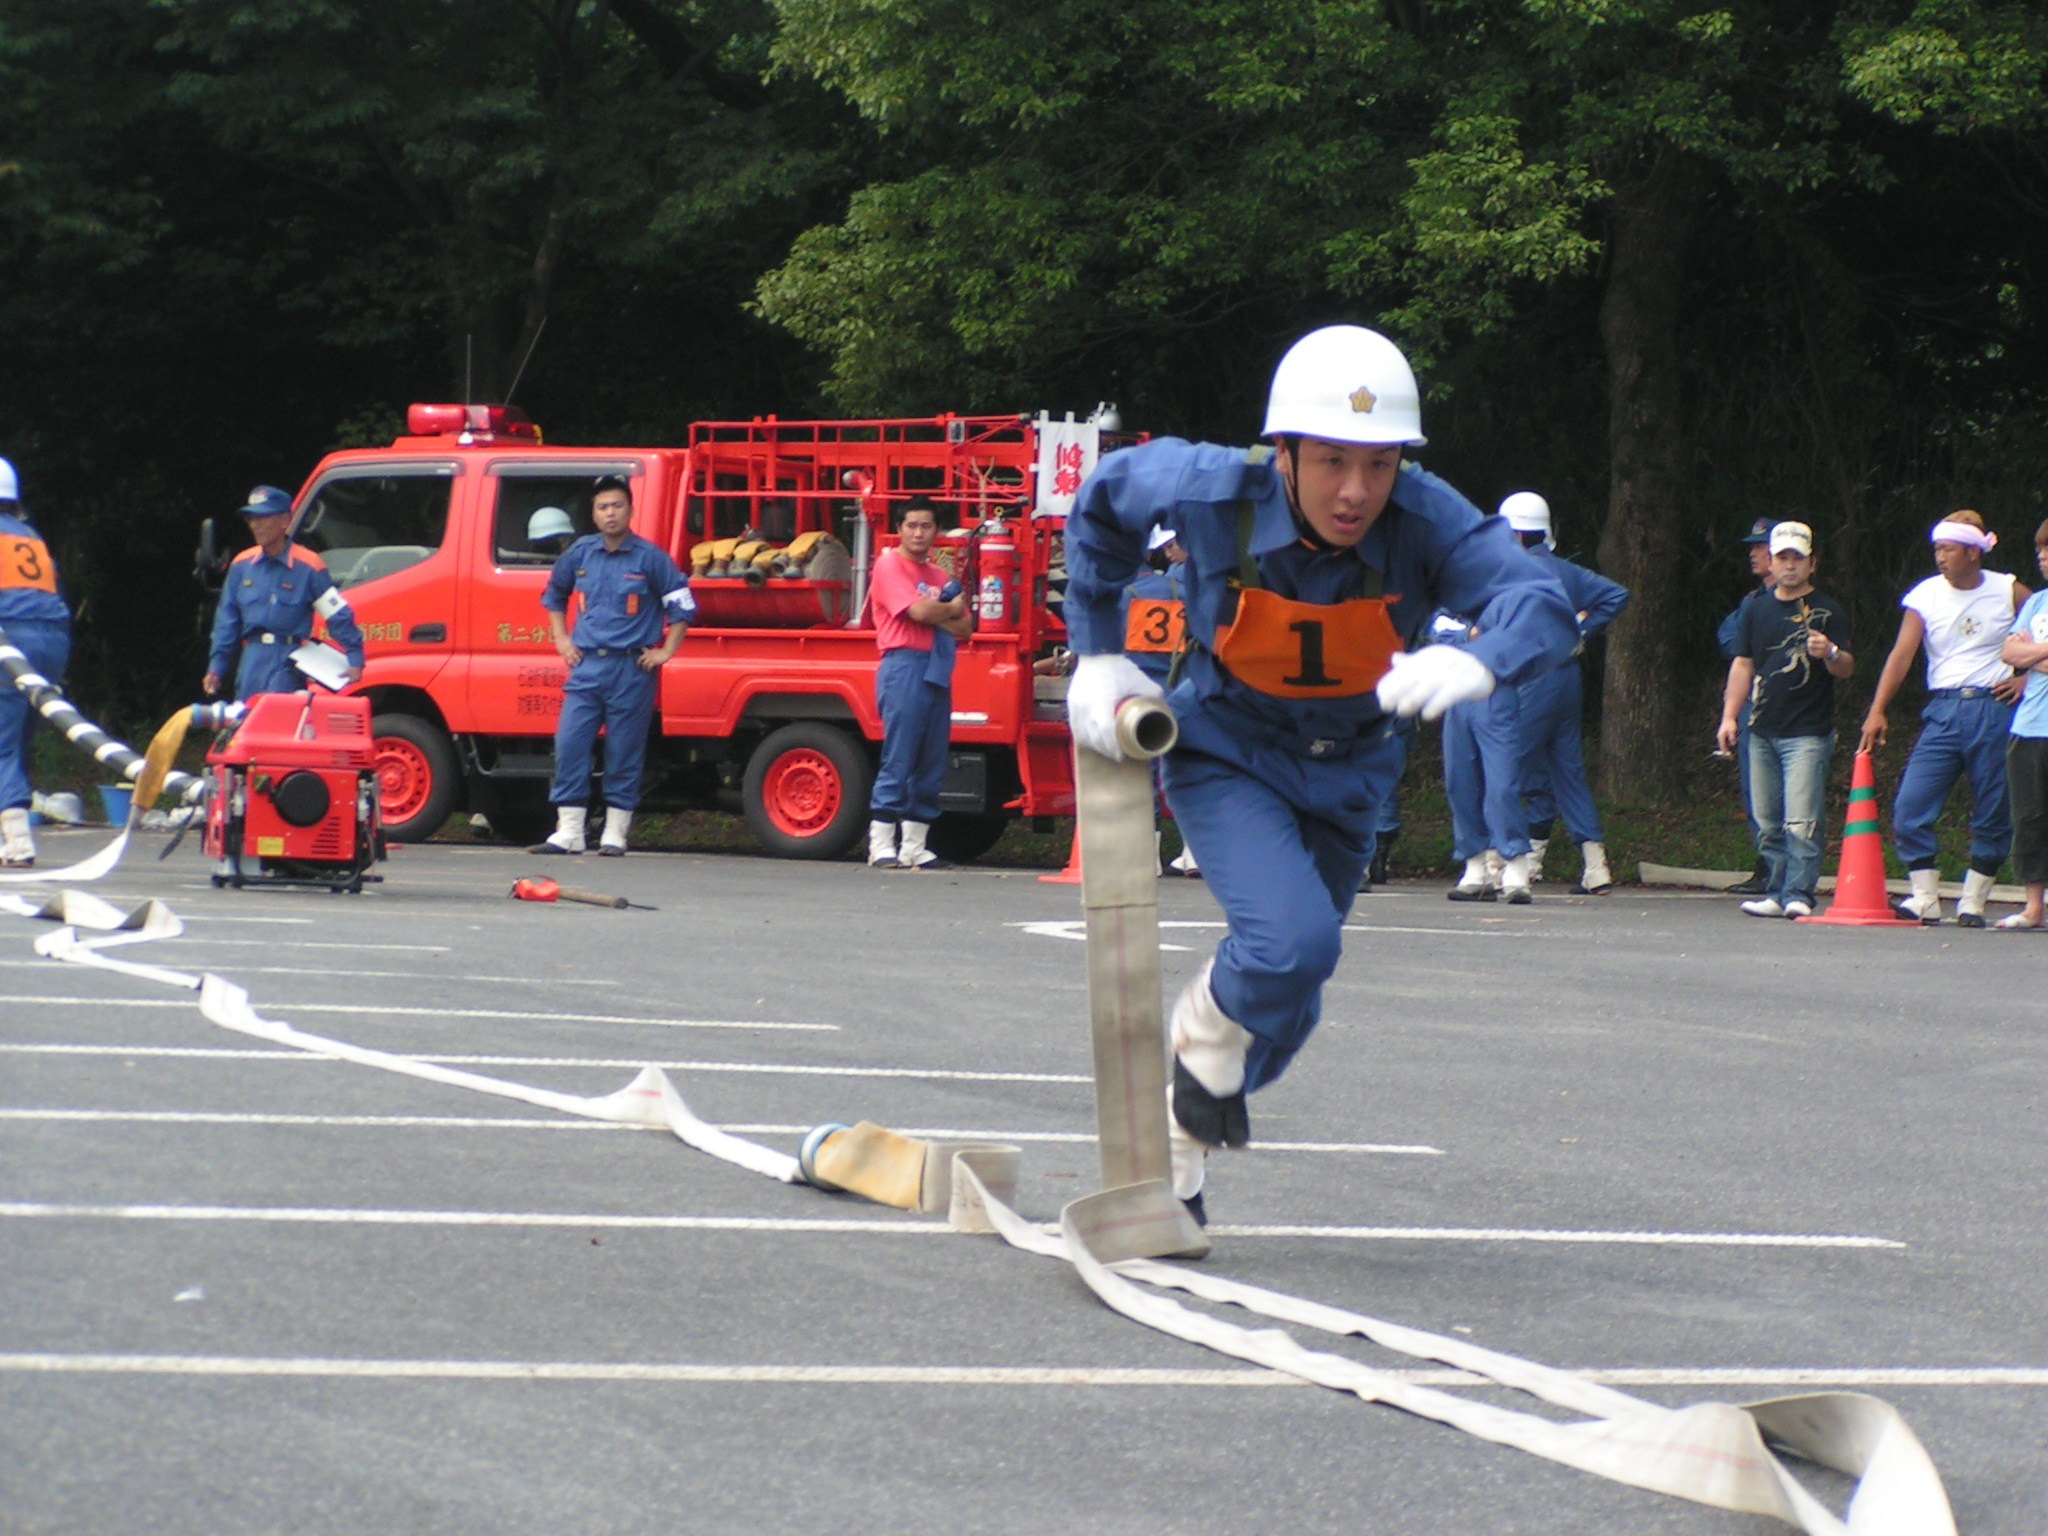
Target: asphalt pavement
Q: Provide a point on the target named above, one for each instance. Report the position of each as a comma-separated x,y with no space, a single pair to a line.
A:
248,1290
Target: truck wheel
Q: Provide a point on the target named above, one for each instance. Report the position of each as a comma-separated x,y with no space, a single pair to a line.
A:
417,780
964,836
806,792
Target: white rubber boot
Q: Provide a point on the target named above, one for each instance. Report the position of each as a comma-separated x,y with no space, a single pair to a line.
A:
1473,884
1976,891
1596,879
1208,1046
617,824
914,854
1539,848
1514,881
1493,868
568,834
1925,902
1184,861
882,845
17,846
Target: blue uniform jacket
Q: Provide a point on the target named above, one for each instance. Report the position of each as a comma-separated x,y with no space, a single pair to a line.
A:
1432,547
1590,593
25,556
279,597
1151,587
1728,636
630,594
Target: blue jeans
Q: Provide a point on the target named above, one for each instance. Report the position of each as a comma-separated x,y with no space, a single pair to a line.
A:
1788,780
917,730
1957,736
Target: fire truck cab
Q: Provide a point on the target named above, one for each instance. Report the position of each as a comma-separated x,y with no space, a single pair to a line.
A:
771,696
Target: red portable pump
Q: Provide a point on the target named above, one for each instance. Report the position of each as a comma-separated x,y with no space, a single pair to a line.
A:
294,798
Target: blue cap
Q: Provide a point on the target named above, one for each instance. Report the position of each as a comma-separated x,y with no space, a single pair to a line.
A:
266,501
1760,530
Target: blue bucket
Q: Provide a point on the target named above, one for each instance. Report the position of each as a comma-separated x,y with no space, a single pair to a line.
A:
116,798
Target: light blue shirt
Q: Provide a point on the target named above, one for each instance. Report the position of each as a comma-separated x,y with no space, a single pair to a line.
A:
2031,718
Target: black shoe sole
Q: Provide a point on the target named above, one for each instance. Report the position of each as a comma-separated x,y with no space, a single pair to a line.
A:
1213,1121
549,850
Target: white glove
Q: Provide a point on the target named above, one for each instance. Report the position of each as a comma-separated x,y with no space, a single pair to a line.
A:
1429,681
1099,685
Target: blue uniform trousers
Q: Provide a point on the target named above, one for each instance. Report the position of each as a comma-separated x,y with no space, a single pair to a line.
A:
267,669
1282,840
1958,736
1553,762
612,691
1483,776
47,645
917,724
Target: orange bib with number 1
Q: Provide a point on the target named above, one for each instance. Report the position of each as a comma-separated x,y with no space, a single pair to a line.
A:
25,564
1296,650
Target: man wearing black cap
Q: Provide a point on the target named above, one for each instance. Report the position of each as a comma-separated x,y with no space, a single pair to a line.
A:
1757,542
274,591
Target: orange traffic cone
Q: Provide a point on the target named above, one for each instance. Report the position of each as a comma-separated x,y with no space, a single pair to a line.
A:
1860,899
1071,875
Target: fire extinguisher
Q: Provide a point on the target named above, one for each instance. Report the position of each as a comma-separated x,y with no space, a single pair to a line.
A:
996,590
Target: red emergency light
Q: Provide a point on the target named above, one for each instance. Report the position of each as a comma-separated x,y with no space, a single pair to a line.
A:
471,423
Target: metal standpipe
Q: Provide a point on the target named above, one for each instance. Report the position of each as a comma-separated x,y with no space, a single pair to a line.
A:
1137,1214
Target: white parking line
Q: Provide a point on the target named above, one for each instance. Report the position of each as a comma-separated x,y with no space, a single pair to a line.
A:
184,1001
472,1122
304,970
623,1063
345,1216
967,1375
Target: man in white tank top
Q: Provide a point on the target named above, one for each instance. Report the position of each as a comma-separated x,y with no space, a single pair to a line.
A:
1963,615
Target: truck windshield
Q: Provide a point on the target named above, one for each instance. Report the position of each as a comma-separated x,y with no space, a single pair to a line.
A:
367,526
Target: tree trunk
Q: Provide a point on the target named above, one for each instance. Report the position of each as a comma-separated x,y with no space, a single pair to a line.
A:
1655,210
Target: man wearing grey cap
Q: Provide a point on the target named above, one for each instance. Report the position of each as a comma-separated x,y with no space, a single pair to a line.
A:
1790,647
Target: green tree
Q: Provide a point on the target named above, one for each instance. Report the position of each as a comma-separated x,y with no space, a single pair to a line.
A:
1192,182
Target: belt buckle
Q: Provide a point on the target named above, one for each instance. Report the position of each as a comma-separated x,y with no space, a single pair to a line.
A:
1321,746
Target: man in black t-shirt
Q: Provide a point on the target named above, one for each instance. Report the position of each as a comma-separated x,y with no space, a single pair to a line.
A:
1791,644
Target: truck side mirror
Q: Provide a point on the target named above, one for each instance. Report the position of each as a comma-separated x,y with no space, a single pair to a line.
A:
209,562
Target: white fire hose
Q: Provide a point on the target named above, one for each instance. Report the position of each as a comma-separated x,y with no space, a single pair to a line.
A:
1712,1453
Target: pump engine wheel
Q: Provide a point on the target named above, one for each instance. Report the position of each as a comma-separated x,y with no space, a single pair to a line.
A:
806,791
417,777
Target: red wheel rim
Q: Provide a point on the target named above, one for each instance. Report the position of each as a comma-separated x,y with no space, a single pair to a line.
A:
801,793
404,780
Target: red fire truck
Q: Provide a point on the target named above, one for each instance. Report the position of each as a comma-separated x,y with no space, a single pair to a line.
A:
771,696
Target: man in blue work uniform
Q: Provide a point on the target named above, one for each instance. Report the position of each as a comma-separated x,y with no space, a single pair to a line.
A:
267,607
1756,542
634,608
1308,567
1483,783
1553,769
38,625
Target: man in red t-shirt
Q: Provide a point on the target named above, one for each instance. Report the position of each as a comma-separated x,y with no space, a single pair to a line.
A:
919,612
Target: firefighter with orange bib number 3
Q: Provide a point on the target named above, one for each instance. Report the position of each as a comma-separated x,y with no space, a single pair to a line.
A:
38,625
1311,564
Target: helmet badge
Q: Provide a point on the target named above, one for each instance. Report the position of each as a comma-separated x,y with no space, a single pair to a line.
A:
1363,400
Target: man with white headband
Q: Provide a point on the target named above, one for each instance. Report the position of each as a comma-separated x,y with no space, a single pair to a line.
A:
1311,564
1963,613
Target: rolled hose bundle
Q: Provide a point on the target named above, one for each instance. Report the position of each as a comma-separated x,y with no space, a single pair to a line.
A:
87,737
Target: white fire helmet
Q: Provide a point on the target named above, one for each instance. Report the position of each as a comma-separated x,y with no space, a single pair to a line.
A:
548,523
1345,384
10,487
1526,512
1159,539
